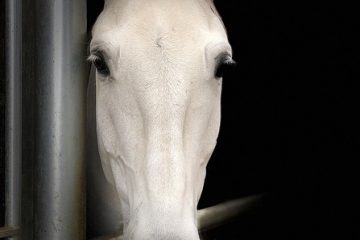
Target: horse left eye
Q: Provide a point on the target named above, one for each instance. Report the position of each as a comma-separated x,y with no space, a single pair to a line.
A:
222,67
101,67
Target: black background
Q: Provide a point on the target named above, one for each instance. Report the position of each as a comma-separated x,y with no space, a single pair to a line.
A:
290,125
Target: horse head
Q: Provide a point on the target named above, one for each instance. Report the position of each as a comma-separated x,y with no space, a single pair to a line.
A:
158,89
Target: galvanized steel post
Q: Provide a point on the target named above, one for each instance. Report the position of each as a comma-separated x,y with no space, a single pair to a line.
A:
61,76
13,43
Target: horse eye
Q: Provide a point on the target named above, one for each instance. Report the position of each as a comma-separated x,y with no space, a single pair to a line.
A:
222,67
101,66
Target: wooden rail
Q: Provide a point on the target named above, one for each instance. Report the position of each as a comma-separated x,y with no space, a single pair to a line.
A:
220,214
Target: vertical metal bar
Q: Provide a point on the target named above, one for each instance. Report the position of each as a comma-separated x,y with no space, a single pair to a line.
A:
61,73
13,39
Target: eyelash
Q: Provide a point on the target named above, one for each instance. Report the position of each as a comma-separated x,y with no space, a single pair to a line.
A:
100,64
224,63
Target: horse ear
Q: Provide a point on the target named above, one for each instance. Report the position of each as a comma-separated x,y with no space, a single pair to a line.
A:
106,2
211,2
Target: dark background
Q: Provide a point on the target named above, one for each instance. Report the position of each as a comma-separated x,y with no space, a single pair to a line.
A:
290,124
289,120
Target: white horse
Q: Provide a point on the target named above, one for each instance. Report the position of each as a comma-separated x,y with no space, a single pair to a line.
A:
158,87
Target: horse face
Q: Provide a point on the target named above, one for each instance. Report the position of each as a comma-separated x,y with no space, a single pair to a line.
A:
158,88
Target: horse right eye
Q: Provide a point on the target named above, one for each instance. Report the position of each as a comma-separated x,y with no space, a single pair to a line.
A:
101,67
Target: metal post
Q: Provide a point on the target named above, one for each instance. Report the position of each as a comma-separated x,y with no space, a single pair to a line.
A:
61,73
13,33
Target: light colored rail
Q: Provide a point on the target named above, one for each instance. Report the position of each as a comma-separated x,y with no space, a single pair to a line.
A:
220,214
